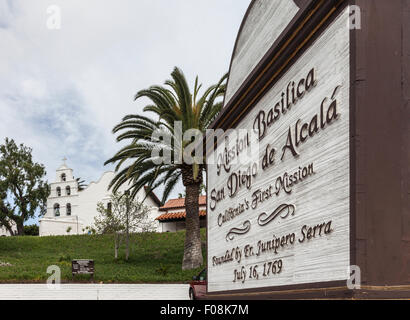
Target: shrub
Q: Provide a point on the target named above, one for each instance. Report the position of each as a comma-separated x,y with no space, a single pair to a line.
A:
163,270
64,257
31,230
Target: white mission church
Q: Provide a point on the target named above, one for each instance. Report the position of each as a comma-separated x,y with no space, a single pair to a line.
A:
70,211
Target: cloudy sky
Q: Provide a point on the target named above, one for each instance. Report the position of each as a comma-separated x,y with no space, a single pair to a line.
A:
62,90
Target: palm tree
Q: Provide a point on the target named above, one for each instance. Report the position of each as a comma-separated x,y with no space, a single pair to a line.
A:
136,165
81,184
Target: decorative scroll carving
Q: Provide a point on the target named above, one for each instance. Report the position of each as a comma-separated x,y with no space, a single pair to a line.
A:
284,210
239,231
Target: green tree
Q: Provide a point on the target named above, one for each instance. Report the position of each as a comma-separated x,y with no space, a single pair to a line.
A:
137,163
22,188
121,217
31,230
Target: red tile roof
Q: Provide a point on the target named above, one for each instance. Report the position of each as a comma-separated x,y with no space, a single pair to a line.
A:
180,203
178,215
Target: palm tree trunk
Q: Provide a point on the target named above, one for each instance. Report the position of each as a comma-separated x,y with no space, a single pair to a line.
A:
127,252
127,235
192,250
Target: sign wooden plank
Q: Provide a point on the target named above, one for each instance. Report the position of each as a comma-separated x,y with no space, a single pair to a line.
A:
263,24
313,201
280,215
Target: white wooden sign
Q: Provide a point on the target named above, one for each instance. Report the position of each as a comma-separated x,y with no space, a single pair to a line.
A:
281,216
262,26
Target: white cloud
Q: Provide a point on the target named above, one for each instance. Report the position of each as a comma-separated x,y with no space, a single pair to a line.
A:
62,91
33,88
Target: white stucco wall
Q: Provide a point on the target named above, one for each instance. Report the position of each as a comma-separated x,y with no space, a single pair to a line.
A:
83,204
5,233
49,227
94,292
173,226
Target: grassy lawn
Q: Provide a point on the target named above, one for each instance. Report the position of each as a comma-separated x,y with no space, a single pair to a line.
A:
154,257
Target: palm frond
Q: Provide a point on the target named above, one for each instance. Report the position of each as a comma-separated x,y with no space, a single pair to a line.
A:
139,164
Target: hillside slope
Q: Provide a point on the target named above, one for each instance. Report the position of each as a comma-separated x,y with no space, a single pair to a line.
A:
154,257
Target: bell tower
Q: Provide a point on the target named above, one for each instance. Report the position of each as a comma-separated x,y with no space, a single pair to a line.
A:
63,193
